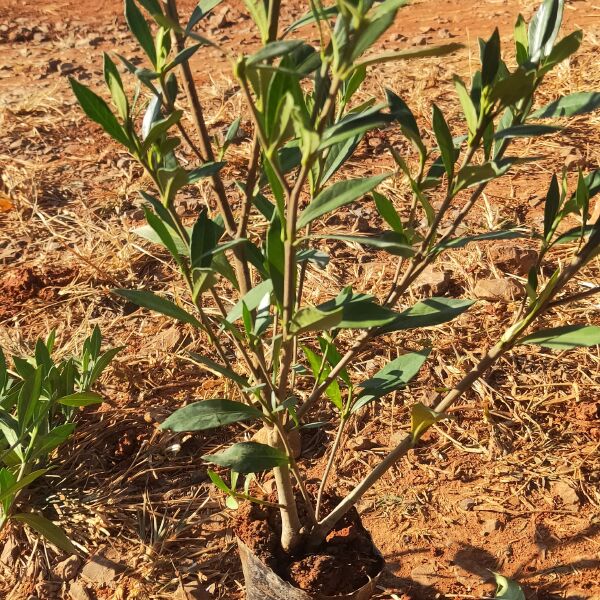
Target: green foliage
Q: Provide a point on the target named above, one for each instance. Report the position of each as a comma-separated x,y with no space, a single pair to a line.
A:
254,245
37,399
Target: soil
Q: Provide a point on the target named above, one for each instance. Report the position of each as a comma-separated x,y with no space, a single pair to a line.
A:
345,562
512,484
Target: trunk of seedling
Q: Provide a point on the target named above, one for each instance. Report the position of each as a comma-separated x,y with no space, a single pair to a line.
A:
290,522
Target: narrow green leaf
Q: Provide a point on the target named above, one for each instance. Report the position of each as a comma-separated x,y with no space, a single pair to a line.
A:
218,481
21,484
504,234
389,241
525,131
394,376
115,85
97,110
521,41
47,529
544,28
569,106
490,61
567,46
551,206
337,195
273,50
444,140
312,318
429,313
203,8
81,399
140,29
252,299
216,368
565,338
153,302
467,105
311,17
428,51
248,457
387,212
209,414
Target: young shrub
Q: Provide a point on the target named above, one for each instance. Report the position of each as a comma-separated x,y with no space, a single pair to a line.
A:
305,128
38,399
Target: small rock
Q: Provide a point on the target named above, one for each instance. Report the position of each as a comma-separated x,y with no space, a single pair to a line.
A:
419,40
262,437
66,68
432,283
445,34
467,503
566,493
498,290
511,259
490,525
77,591
68,568
101,570
361,442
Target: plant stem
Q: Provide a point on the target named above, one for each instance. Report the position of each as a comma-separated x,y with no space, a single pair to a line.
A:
333,452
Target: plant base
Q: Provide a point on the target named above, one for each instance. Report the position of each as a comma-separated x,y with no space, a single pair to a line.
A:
347,565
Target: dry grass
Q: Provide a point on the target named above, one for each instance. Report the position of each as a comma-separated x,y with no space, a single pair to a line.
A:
124,486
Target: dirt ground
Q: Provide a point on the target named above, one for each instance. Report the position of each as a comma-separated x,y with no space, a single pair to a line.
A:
511,485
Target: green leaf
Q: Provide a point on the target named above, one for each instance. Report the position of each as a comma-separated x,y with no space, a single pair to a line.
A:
394,376
564,338
515,87
429,313
400,111
490,62
504,234
165,235
248,457
373,30
352,125
551,206
428,51
521,41
115,85
544,28
569,106
54,438
471,175
48,530
567,46
208,169
214,367
274,251
252,299
149,300
389,241
209,414
388,212
311,17
444,140
320,371
467,105
21,484
81,399
183,56
337,195
422,418
160,128
205,235
273,50
525,131
140,29
203,8
312,318
507,589
218,481
573,235
97,110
